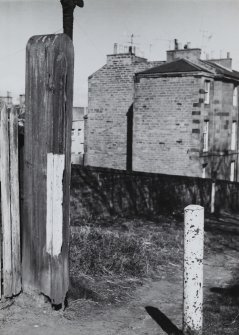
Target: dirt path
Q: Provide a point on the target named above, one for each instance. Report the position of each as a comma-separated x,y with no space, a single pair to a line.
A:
28,317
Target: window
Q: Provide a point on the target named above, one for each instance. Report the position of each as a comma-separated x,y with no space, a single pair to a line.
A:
232,172
72,132
234,135
235,97
207,92
205,136
79,131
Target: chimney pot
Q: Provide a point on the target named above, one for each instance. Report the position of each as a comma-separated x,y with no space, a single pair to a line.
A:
228,54
115,48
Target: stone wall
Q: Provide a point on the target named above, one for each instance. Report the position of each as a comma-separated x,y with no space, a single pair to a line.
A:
167,133
111,92
97,192
169,116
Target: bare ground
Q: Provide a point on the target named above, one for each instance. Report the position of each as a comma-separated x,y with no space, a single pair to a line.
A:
29,315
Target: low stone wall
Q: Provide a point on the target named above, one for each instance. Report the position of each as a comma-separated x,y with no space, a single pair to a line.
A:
100,192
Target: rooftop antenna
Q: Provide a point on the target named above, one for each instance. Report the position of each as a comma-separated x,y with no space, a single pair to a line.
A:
68,7
206,38
132,40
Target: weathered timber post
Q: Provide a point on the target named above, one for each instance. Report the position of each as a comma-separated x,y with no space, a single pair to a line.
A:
47,165
193,269
10,213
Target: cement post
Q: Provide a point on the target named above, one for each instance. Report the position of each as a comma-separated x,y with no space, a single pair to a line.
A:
193,269
213,198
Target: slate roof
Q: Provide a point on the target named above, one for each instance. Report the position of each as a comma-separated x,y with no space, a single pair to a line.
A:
177,66
223,71
185,66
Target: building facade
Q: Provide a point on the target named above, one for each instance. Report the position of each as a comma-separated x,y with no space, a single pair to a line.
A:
110,99
177,117
186,117
77,135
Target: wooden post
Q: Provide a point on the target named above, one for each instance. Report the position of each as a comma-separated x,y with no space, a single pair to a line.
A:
47,165
5,205
15,202
10,202
193,269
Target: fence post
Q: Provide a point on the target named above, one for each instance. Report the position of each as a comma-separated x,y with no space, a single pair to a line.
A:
47,165
10,214
193,269
15,201
5,205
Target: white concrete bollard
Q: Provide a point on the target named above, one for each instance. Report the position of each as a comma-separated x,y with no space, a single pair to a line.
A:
193,269
213,198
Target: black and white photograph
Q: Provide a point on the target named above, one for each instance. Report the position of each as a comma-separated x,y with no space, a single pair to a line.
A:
119,167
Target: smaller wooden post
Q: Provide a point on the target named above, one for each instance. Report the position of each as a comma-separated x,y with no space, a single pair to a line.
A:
10,214
15,201
193,269
5,205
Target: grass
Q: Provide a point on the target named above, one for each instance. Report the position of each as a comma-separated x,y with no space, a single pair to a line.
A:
105,252
109,258
121,251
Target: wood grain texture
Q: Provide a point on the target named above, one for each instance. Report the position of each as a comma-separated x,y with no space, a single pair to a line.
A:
5,205
49,94
10,212
15,202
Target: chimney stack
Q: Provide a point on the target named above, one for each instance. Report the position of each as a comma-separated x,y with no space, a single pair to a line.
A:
9,99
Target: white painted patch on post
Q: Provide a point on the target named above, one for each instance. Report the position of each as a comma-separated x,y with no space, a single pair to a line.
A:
49,211
54,222
193,269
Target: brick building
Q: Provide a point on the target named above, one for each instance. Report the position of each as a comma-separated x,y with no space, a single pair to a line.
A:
77,135
110,99
179,117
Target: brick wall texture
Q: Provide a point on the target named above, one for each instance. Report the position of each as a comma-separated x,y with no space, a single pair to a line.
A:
111,92
169,114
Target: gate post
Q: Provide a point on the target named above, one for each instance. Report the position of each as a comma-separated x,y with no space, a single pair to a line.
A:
47,165
193,269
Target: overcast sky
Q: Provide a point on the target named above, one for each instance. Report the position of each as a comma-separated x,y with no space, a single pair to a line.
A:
212,25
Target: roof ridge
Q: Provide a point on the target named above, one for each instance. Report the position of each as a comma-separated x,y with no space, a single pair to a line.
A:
218,65
195,67
194,64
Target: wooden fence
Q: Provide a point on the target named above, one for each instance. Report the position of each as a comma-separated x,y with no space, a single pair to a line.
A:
10,269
